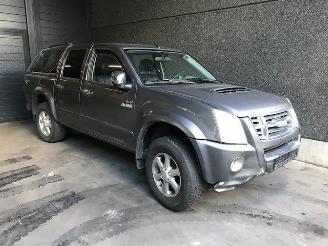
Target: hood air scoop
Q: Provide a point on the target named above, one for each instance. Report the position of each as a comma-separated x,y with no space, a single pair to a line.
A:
230,90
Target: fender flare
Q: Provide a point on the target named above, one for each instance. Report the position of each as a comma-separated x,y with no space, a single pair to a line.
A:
48,95
186,126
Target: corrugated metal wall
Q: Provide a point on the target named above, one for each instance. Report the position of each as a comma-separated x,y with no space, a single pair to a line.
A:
54,22
12,14
12,59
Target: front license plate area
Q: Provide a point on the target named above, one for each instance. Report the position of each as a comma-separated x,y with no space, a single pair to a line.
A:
283,159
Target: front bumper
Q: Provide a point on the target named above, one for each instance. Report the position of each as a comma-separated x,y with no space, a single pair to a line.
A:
215,159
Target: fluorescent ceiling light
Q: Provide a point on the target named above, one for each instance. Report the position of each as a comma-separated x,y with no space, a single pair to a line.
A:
114,66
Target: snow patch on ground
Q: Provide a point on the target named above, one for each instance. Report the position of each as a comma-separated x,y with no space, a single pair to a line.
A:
112,214
51,174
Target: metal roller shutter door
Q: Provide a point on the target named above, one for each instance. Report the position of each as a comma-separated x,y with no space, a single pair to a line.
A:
12,68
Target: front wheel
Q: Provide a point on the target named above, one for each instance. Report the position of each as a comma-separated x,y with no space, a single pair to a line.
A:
48,129
172,174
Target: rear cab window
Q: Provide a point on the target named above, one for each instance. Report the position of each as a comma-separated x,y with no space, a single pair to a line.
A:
74,62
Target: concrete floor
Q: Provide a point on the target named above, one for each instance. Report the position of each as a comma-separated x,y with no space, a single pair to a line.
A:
85,192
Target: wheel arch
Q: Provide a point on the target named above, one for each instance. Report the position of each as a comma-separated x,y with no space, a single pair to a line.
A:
157,129
41,95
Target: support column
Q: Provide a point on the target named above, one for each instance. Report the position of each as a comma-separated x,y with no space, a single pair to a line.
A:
33,26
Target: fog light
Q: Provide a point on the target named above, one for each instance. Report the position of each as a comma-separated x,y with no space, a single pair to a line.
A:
237,164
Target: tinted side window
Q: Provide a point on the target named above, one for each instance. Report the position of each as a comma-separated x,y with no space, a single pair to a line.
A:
51,63
74,64
39,62
103,63
47,61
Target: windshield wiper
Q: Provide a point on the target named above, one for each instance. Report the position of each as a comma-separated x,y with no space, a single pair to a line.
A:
170,82
202,80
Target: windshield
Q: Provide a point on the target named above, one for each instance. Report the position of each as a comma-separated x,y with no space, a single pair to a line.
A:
165,67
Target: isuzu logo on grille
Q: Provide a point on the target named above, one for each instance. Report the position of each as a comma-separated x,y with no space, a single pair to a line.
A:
264,128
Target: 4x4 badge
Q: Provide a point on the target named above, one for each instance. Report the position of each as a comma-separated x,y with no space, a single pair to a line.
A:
127,104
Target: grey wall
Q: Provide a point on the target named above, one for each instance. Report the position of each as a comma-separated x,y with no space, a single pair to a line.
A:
54,22
62,21
276,46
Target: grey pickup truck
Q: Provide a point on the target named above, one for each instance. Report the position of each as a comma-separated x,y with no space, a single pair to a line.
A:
188,130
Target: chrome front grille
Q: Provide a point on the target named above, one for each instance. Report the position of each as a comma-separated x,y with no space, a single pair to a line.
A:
272,125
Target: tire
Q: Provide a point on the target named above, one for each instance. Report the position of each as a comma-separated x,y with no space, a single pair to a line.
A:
186,176
56,132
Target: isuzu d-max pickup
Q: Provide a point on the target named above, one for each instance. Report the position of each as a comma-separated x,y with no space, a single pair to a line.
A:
187,129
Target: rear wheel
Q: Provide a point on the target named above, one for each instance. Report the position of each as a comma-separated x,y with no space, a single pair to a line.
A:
48,129
172,174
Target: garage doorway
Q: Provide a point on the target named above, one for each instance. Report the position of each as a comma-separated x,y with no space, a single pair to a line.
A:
14,58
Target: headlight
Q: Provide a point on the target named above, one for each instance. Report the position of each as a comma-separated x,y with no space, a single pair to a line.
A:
293,115
230,128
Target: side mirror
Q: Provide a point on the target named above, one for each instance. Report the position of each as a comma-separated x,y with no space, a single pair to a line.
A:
118,79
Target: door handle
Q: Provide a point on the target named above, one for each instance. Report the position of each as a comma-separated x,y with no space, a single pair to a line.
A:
59,87
87,92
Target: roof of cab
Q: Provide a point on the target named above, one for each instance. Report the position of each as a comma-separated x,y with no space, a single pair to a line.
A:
122,46
132,46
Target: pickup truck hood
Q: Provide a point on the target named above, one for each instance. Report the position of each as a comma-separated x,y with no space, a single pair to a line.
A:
236,100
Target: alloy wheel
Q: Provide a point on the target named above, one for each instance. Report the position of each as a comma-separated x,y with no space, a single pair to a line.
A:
45,123
166,175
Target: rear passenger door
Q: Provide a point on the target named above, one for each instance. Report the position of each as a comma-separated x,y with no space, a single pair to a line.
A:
67,88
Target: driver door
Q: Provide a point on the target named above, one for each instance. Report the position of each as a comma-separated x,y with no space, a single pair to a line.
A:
107,111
